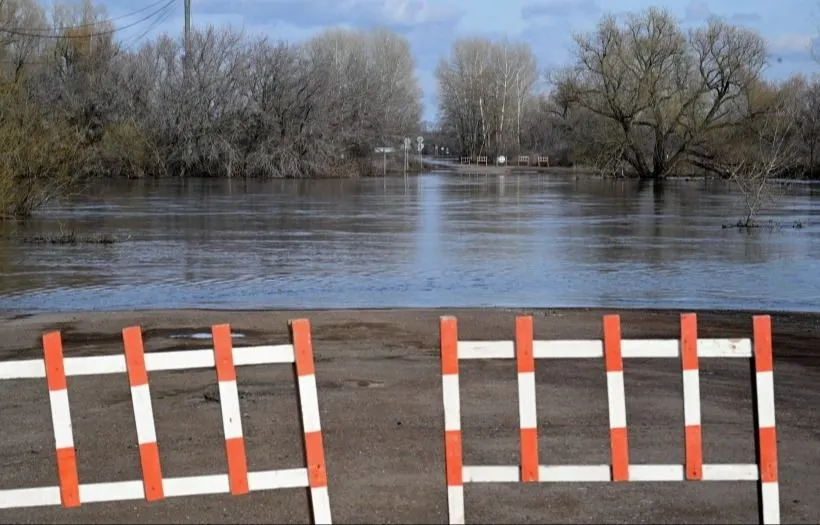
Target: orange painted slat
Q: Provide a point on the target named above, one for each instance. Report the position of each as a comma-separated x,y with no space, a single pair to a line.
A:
764,361
620,454
53,355
448,334
223,352
237,465
134,356
151,471
315,454
69,479
612,343
529,454
302,347
768,454
689,341
694,452
453,457
523,344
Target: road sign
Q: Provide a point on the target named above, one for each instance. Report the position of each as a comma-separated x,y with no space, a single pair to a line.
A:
384,150
407,142
420,147
420,139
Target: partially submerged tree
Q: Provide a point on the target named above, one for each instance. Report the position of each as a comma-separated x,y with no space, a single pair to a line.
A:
764,150
658,92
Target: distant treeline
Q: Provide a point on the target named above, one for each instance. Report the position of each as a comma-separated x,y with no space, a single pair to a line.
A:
641,97
75,104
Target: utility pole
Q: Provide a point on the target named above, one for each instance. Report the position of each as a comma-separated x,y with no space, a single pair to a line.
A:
187,37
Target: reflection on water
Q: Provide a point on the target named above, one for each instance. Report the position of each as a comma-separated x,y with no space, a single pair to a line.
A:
435,240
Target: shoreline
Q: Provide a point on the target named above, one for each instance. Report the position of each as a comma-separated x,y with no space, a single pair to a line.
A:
795,329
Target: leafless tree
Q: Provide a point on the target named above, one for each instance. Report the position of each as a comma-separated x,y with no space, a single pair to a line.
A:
484,87
665,91
765,150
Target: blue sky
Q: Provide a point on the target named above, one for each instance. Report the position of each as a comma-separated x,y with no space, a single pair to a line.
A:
789,26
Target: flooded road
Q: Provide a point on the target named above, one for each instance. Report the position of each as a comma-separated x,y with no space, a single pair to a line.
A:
435,240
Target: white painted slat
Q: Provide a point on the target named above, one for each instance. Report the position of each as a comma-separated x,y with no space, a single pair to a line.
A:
26,369
452,402
691,397
143,414
616,397
655,472
263,355
33,497
730,472
725,348
93,365
573,473
278,479
527,412
116,491
455,504
649,348
486,350
61,418
309,402
771,502
765,399
559,349
490,474
231,414
320,502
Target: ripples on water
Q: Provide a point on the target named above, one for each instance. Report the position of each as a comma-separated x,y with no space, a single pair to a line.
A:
436,240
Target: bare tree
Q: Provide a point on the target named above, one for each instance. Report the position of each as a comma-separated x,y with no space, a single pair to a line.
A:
483,88
665,91
808,122
768,149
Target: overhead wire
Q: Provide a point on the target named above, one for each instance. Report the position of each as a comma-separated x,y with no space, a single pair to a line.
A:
166,5
91,24
132,41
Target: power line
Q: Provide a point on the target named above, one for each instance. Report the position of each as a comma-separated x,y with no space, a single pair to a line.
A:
167,4
92,24
132,41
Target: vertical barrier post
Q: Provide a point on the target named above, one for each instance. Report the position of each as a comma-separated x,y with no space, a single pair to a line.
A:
61,419
619,443
231,415
143,413
765,435
454,466
691,397
308,400
527,412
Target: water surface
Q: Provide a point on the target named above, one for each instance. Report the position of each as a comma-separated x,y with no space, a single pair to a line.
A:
441,239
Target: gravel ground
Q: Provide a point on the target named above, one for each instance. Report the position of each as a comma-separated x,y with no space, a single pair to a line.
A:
380,401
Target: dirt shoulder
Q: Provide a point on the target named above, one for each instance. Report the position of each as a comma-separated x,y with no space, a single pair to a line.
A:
380,400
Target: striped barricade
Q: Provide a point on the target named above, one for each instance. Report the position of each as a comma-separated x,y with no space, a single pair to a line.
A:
153,486
612,350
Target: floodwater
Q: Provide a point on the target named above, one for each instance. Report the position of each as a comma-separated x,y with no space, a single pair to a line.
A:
441,239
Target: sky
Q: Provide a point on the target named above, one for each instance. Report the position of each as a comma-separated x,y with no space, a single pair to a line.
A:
790,27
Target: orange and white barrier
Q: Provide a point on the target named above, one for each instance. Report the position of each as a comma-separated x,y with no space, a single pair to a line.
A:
137,364
613,350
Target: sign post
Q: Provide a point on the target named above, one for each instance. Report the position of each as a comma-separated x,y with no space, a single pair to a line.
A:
420,148
406,149
384,151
